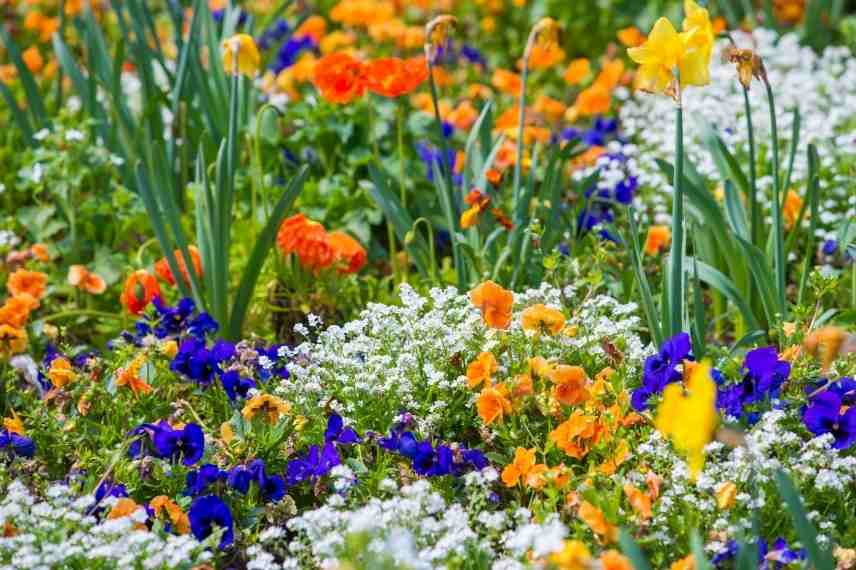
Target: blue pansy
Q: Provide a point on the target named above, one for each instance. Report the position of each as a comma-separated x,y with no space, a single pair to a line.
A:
208,512
17,444
661,369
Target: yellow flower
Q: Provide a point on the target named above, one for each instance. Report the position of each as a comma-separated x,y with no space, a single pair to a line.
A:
726,494
574,556
169,348
666,51
698,20
540,318
267,405
690,419
61,372
14,424
240,55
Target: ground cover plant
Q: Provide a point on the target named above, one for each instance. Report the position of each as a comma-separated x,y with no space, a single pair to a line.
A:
428,284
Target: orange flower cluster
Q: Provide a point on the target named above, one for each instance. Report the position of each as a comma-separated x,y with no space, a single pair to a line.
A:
341,78
316,249
26,289
81,278
542,319
495,304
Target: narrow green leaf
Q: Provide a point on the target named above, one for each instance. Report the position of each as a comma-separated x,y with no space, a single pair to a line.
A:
34,98
632,551
819,558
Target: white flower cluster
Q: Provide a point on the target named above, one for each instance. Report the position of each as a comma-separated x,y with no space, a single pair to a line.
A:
823,87
58,532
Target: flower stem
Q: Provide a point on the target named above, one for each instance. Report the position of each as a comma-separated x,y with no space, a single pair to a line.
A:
676,257
390,231
754,215
779,237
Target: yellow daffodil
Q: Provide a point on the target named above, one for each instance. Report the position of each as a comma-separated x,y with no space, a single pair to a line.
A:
689,417
240,55
697,20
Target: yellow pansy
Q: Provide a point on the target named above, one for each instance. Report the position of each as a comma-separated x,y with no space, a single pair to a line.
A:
240,55
689,417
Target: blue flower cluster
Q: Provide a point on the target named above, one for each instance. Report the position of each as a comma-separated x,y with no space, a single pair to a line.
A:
661,369
428,460
165,442
240,478
273,34
430,156
171,322
199,363
17,444
762,382
823,414
209,512
770,557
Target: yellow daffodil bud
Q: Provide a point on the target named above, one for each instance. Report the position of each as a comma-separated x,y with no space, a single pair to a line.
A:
240,55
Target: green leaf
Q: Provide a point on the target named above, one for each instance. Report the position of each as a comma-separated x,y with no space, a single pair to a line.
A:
724,285
819,558
257,258
632,551
34,98
726,163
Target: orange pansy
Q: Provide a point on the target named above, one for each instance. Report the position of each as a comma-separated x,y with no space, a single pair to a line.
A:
495,304
570,384
481,370
597,522
542,319
33,283
81,278
639,500
493,404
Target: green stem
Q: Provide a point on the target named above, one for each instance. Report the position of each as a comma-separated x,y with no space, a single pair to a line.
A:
754,214
521,127
779,237
80,313
402,186
390,231
256,180
677,251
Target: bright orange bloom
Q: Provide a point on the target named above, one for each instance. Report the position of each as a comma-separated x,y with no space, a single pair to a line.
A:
639,500
308,239
164,272
614,560
339,77
593,101
40,252
493,404
347,252
14,424
33,283
791,209
125,507
827,343
546,56
686,563
16,310
481,370
463,116
523,386
610,74
657,240
597,522
789,11
577,71
179,519
524,470
552,109
393,77
12,340
495,304
61,372
631,37
570,384
267,405
140,288
542,319
506,82
130,376
80,277
33,59
577,434
314,27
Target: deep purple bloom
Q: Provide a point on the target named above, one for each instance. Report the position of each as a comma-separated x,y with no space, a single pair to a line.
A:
314,464
108,488
337,432
661,369
19,445
187,443
830,246
199,363
199,480
271,365
206,513
202,324
473,55
239,479
823,415
235,386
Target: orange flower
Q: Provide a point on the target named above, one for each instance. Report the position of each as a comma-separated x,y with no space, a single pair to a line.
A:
308,239
593,101
577,434
140,288
339,78
393,77
33,59
523,469
657,240
40,252
125,507
61,372
540,318
614,560
552,109
314,27
827,343
506,82
164,272
347,252
16,310
523,386
33,283
791,210
14,424
495,304
686,563
463,116
570,382
481,370
640,501
546,56
266,405
130,376
619,456
631,37
610,74
12,340
178,518
597,522
493,404
577,71
540,367
80,277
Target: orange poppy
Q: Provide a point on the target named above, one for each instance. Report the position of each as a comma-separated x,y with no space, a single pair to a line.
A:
339,77
631,37
495,304
540,318
16,310
657,240
577,71
140,288
33,283
347,252
463,116
493,404
393,76
570,384
546,56
597,522
523,386
306,238
80,277
506,82
164,272
33,59
481,370
552,109
639,500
